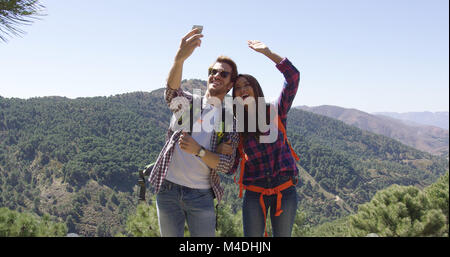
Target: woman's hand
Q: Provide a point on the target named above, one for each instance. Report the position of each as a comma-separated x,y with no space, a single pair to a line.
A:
225,148
260,47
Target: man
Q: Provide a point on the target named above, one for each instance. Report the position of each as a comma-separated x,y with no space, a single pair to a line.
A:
185,176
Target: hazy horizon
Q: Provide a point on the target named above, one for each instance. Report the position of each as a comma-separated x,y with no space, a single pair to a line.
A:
374,56
293,106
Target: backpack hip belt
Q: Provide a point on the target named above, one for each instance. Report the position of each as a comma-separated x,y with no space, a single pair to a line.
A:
270,191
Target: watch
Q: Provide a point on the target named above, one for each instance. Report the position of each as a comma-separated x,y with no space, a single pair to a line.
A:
201,153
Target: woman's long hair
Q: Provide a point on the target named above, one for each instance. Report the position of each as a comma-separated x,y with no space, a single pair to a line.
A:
259,96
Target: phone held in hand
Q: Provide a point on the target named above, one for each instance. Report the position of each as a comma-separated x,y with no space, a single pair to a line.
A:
199,27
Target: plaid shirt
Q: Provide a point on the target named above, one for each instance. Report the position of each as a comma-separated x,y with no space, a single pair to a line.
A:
268,160
159,171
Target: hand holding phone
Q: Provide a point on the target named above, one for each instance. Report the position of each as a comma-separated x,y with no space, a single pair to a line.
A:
199,27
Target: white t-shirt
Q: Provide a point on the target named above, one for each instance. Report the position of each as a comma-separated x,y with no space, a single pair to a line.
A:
187,169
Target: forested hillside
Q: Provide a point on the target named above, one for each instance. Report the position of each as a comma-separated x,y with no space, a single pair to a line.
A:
77,160
352,164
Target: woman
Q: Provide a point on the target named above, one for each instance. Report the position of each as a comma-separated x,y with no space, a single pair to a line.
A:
270,173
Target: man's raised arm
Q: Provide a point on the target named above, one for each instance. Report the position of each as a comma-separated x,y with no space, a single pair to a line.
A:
188,43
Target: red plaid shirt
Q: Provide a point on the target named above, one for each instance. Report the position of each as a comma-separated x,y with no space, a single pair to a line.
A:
272,159
159,171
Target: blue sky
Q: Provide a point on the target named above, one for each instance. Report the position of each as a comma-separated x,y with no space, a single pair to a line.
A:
371,55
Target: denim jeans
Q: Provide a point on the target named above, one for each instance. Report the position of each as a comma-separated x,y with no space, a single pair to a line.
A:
177,204
252,214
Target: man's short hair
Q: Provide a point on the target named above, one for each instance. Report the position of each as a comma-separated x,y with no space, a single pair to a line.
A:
229,61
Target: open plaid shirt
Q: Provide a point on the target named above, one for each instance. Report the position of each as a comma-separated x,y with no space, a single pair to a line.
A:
272,159
159,171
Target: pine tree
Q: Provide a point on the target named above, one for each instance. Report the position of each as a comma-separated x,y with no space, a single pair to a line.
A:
229,224
145,222
13,224
14,13
298,229
438,196
399,211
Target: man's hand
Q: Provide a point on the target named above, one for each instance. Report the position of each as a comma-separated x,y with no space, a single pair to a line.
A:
225,148
188,43
188,144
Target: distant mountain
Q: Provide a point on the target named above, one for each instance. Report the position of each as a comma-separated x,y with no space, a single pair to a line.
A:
426,138
438,119
187,85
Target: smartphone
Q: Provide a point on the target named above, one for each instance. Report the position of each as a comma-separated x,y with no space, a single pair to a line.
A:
200,27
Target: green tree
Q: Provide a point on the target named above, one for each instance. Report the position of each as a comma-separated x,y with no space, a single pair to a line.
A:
145,222
437,194
399,211
335,228
16,224
102,198
298,229
229,224
102,230
14,13
70,223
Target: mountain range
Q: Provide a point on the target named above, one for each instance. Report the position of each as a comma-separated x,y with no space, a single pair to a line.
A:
427,138
438,119
77,160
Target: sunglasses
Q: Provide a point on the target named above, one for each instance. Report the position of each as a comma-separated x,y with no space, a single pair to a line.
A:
223,74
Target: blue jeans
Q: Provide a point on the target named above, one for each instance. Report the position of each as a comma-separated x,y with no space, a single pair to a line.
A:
176,204
252,214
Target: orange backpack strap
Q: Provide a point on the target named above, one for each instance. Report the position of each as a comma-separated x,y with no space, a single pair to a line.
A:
281,127
244,158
